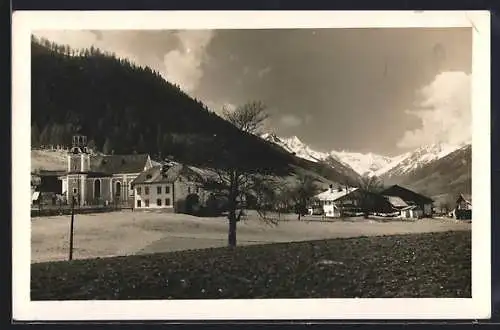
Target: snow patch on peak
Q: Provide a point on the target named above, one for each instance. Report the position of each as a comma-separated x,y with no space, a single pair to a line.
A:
421,156
360,163
369,163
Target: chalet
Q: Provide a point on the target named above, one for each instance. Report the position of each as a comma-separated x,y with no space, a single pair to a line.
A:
330,200
171,187
101,179
409,203
463,208
398,205
350,201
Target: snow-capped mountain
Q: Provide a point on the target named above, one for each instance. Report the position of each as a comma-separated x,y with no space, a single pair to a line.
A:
411,161
297,147
360,163
442,179
370,163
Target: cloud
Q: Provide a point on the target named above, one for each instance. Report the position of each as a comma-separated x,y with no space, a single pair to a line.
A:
217,107
177,55
444,112
262,72
289,120
184,65
75,39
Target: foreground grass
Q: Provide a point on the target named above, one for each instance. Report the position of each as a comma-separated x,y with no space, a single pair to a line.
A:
417,265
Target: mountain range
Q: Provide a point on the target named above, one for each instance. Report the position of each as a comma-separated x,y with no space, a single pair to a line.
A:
123,108
437,170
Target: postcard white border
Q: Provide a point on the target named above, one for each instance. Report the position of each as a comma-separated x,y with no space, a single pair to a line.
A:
280,309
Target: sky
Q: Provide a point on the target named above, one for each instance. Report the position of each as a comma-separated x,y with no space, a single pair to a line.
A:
385,91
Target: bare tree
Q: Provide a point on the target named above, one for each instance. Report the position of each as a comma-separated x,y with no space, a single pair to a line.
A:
303,192
369,186
248,118
236,176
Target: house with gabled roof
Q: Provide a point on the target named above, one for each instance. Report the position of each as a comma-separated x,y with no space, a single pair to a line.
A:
101,179
170,187
463,208
414,205
350,200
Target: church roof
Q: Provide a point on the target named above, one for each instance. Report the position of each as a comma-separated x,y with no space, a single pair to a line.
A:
117,164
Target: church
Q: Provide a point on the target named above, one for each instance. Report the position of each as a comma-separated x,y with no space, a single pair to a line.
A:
101,179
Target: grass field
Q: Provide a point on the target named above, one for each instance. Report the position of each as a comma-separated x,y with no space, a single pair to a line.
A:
129,233
404,266
52,160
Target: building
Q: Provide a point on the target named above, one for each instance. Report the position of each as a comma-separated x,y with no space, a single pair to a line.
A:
170,187
101,179
398,206
331,200
46,187
350,201
415,205
463,208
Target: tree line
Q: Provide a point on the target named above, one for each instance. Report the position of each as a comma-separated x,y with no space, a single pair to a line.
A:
125,108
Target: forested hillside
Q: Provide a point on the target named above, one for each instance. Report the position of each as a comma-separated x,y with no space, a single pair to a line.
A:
124,108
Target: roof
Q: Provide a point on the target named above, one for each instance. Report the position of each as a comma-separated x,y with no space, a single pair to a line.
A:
35,196
203,172
466,197
50,173
113,164
406,194
155,175
396,201
333,195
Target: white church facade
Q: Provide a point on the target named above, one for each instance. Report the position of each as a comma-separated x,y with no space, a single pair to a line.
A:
101,179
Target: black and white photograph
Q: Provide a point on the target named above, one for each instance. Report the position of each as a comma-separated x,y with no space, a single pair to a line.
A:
301,160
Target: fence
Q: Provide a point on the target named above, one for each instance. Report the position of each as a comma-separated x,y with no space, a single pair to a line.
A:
53,209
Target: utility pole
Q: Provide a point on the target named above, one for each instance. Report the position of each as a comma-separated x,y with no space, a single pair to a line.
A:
71,229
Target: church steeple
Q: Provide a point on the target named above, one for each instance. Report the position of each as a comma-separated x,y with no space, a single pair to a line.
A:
78,157
79,144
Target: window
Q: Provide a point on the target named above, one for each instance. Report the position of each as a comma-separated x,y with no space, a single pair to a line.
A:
167,201
138,190
146,190
158,202
118,189
158,190
167,189
146,203
74,190
189,190
139,203
197,189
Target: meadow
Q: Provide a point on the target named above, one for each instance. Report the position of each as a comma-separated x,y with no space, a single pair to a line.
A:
129,233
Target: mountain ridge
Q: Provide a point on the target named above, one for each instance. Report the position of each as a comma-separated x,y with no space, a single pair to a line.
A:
123,108
411,168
